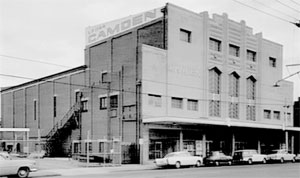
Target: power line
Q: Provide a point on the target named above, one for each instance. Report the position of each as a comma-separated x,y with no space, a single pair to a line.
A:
287,6
36,61
133,92
275,10
279,18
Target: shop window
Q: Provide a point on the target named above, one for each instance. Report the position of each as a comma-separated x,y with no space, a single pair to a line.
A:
276,115
101,147
272,62
267,114
154,100
251,55
214,44
233,110
185,35
251,85
234,50
214,108
234,84
192,105
250,112
214,80
177,103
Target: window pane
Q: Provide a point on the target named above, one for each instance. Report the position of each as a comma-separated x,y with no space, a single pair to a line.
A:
192,105
154,100
234,50
177,103
214,44
251,55
185,35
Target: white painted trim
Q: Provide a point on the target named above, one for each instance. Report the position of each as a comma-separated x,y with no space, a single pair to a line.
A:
14,129
111,94
225,122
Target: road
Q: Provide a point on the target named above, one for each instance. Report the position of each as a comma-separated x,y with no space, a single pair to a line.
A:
287,170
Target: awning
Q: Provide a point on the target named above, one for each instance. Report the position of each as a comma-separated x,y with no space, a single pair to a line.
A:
226,122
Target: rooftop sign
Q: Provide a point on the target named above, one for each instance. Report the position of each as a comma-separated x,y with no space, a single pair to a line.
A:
99,32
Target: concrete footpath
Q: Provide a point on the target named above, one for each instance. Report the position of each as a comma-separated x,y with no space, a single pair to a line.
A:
63,167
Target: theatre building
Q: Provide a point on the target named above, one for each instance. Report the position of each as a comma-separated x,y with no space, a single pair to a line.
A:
174,80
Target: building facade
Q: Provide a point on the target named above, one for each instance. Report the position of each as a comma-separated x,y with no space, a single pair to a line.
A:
174,80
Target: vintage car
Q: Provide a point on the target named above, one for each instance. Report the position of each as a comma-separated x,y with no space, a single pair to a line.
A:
217,158
281,155
248,156
179,159
16,167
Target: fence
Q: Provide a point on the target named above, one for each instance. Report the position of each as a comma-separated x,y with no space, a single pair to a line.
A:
102,151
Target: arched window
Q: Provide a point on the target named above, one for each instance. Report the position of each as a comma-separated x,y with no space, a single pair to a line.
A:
214,80
251,87
234,84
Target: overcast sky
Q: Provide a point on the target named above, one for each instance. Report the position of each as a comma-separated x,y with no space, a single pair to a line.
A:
53,31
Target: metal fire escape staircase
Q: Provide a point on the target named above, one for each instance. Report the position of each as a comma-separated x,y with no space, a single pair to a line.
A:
71,120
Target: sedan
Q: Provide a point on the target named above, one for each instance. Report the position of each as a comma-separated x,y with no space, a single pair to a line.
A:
281,155
217,158
16,167
179,159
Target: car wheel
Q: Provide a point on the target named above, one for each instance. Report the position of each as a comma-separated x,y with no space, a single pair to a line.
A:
264,161
23,172
177,165
229,163
293,160
198,164
250,161
281,160
217,163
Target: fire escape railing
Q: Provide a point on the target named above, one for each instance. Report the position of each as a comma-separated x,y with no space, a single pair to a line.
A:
68,116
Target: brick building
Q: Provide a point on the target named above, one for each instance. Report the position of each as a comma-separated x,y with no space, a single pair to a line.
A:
175,80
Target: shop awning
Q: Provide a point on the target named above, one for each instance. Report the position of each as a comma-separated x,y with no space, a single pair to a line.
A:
226,122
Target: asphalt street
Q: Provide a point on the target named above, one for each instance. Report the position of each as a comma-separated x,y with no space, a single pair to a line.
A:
287,170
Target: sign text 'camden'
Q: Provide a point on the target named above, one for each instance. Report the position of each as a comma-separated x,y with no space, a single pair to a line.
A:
102,31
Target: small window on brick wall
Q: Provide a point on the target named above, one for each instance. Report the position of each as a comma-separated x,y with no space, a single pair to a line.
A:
272,62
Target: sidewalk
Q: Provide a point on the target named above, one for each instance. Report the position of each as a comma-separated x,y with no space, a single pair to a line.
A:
50,167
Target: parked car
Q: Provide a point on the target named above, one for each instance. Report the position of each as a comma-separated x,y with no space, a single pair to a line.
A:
16,167
248,156
178,159
217,158
281,155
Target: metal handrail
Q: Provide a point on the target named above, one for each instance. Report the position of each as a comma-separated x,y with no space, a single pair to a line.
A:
64,120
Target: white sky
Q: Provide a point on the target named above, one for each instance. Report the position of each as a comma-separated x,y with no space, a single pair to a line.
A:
53,30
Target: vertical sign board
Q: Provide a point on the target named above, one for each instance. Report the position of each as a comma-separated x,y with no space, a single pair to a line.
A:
198,147
99,32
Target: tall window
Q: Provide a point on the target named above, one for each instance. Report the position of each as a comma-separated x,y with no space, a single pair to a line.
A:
272,62
103,102
177,103
54,106
234,50
214,80
251,85
250,112
154,100
234,84
185,35
84,104
214,44
267,114
214,108
114,101
233,110
251,55
34,109
192,105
